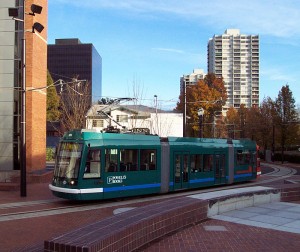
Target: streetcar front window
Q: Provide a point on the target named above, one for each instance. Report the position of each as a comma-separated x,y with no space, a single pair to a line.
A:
68,160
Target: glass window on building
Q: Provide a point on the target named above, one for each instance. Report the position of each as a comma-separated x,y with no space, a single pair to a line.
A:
98,123
122,118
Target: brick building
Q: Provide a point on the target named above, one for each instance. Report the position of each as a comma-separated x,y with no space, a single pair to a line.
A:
36,76
11,37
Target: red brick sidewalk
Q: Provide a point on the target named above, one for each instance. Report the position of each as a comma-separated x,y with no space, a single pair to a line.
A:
231,237
216,235
202,237
34,192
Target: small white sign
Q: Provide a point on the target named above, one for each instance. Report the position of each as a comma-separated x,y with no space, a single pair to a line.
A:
115,179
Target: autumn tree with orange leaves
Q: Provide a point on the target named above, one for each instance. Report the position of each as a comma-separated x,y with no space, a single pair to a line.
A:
209,94
242,122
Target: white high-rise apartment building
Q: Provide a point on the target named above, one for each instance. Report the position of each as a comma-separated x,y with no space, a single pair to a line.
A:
191,79
235,57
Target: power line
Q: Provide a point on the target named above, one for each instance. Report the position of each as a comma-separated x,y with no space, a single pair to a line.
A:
61,76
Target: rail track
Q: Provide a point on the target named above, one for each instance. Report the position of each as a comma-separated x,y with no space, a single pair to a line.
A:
279,173
42,208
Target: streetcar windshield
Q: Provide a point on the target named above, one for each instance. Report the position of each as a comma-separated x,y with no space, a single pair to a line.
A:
68,160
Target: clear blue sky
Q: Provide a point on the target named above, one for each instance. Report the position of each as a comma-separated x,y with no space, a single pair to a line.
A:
152,43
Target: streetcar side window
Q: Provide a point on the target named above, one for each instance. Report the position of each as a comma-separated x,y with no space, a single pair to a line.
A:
148,160
247,157
93,164
239,157
243,157
128,160
208,162
111,160
197,163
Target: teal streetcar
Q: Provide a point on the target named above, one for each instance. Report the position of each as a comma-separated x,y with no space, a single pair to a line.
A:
92,166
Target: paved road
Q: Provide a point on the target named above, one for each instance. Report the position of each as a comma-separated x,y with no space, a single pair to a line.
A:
211,235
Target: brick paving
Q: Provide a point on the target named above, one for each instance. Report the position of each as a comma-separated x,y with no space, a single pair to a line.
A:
236,237
211,235
216,235
19,234
34,192
25,232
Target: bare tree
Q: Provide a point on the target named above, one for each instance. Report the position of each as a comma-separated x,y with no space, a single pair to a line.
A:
137,93
74,103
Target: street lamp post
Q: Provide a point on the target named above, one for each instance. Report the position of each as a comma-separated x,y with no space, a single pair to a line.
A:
156,118
14,13
199,101
273,143
23,190
214,122
200,114
184,112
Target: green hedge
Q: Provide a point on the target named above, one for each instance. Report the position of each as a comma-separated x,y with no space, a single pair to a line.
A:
292,158
50,153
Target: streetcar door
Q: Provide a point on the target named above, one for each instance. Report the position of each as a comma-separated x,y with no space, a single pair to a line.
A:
220,171
181,170
93,174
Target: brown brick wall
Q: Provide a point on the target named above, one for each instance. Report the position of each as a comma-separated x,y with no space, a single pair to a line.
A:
291,193
36,76
134,229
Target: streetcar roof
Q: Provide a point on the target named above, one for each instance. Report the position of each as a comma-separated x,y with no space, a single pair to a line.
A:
134,139
111,138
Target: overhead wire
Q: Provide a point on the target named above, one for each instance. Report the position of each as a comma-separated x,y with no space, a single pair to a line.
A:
98,97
